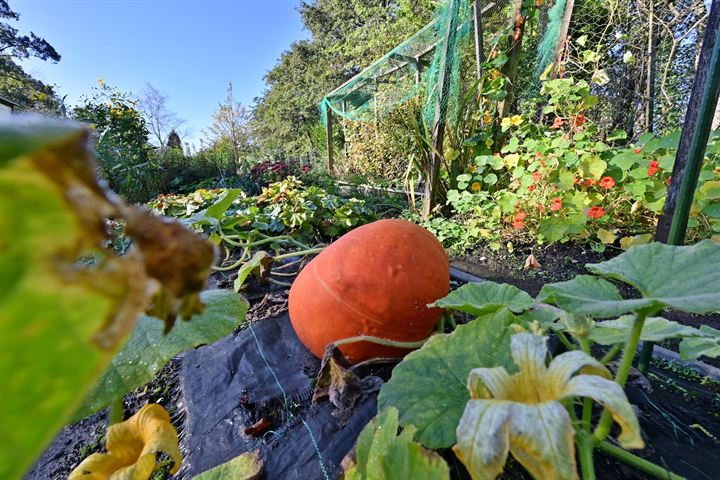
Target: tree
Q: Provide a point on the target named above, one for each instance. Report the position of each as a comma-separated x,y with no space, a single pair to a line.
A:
231,125
15,84
173,141
159,118
12,44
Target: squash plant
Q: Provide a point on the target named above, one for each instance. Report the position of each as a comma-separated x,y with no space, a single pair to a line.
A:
69,300
488,391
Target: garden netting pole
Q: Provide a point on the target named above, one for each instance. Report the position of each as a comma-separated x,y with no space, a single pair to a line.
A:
329,131
691,150
479,46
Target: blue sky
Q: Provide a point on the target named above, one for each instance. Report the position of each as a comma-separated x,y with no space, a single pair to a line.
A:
187,49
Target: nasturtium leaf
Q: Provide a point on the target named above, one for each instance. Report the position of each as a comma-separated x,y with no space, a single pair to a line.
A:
588,295
248,466
382,454
132,447
148,349
485,297
429,387
682,277
709,346
655,329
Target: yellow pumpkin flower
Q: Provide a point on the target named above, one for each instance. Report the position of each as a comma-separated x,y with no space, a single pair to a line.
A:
131,447
475,187
487,118
522,413
472,168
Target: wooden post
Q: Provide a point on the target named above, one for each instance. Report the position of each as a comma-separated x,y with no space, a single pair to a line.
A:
564,28
438,129
510,68
329,132
651,64
479,47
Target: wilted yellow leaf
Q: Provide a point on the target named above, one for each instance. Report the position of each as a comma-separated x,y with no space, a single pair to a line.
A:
627,242
511,160
131,448
606,236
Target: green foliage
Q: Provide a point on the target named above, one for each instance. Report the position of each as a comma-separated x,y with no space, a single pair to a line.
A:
429,387
62,319
149,348
287,207
521,405
382,454
247,466
559,181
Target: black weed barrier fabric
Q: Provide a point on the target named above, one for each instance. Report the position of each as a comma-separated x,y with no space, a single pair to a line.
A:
262,374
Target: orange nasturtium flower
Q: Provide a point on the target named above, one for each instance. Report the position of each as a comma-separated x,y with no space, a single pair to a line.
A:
579,120
595,212
536,176
131,448
519,220
556,204
475,187
559,122
654,168
589,182
523,414
607,183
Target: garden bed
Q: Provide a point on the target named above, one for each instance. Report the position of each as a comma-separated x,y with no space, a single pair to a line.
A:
677,407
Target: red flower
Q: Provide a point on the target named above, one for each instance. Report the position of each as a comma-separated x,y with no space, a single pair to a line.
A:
654,168
538,155
595,212
607,183
531,188
536,176
556,204
668,180
542,163
518,220
576,180
559,122
579,120
638,150
589,182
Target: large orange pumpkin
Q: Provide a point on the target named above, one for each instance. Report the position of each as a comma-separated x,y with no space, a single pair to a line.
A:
375,280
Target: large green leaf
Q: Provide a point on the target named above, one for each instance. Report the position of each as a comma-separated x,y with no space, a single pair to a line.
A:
655,329
46,325
588,295
429,386
247,466
382,454
485,297
148,349
62,316
709,346
682,277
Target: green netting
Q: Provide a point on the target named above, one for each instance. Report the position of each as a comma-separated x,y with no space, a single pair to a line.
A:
549,43
410,69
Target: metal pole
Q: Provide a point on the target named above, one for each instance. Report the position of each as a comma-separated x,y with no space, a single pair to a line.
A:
329,132
691,151
479,46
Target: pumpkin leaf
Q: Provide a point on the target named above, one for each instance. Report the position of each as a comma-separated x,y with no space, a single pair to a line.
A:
588,295
655,329
62,319
148,349
682,277
429,386
259,265
709,346
247,466
132,446
485,297
382,454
